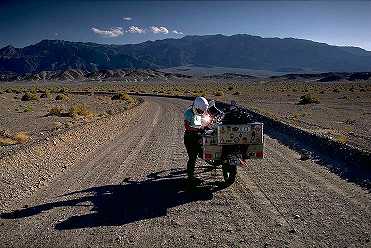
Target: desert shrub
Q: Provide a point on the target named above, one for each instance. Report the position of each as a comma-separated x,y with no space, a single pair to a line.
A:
219,93
33,90
199,93
28,108
341,138
6,138
46,94
122,96
322,92
336,90
8,90
28,96
236,93
63,90
22,137
80,110
5,141
230,88
61,97
53,90
203,93
57,111
17,91
308,99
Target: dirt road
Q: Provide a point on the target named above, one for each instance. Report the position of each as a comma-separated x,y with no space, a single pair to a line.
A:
130,192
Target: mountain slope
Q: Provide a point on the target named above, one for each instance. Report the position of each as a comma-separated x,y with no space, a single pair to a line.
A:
239,51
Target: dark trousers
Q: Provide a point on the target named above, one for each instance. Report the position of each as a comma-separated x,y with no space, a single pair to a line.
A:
193,146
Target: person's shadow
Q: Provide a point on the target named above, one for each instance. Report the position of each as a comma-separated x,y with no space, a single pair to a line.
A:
125,203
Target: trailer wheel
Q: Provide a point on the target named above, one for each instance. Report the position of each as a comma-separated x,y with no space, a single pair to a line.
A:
229,173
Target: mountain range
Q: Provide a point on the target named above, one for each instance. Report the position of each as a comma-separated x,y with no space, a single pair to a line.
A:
237,51
99,75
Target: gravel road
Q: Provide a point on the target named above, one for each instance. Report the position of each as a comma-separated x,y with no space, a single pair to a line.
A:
125,187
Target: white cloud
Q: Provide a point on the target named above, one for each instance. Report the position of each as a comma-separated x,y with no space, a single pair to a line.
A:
134,29
127,18
177,32
112,32
159,30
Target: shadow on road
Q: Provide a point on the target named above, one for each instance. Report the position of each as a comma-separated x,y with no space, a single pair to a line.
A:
131,201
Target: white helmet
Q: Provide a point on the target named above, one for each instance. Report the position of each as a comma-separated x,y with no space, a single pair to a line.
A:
200,104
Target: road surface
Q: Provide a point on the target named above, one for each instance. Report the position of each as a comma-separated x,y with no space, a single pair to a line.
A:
130,192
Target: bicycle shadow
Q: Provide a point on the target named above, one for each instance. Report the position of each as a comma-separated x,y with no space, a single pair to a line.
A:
114,205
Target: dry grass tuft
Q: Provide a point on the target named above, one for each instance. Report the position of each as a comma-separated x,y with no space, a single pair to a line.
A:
46,94
62,97
219,93
341,138
28,108
308,99
80,110
5,141
29,96
22,137
57,111
122,96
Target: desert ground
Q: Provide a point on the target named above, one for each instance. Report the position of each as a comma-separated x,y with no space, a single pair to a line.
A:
120,181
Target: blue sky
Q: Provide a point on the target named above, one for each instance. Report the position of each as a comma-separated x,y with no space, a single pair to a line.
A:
334,22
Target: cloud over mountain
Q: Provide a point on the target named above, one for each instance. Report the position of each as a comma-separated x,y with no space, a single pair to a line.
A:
135,29
111,33
159,30
177,32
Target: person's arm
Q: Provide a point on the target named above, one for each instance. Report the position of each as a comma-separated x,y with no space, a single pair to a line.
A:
187,126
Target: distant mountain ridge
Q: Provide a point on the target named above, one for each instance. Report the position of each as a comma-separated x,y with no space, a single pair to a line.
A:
238,51
80,75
